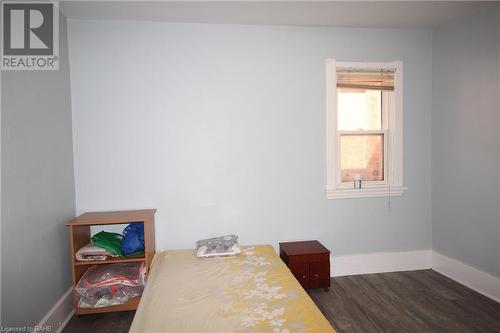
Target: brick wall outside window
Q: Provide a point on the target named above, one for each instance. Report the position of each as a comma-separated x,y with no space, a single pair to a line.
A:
361,154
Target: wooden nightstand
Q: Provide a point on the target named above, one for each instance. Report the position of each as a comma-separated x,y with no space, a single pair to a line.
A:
309,262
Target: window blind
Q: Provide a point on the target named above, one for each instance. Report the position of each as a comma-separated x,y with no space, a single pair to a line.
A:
382,79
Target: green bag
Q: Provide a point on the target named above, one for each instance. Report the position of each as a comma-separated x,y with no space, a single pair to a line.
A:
110,241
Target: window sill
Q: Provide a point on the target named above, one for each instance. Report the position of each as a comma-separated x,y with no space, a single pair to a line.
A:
367,192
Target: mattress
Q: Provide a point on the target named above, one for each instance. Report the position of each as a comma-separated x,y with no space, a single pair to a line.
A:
251,292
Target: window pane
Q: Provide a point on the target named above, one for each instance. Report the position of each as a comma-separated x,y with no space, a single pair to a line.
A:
359,109
362,154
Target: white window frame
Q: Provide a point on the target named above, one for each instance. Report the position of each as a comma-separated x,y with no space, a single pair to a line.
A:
392,112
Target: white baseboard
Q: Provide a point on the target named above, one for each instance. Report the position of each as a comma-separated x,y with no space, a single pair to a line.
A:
59,314
482,282
380,262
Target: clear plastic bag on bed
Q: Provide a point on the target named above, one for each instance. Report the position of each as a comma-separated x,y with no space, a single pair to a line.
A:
113,284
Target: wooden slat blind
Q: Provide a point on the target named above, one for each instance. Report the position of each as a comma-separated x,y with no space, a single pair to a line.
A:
382,79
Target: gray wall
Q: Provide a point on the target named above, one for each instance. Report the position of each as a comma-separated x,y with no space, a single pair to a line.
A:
37,190
498,95
222,128
465,141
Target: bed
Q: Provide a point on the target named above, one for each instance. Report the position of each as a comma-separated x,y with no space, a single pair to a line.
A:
248,293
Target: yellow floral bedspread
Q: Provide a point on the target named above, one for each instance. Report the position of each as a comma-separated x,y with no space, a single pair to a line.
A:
252,292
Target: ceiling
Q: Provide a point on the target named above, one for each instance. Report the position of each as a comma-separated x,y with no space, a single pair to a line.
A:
387,14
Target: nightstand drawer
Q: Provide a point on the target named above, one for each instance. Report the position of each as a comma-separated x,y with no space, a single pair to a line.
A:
319,274
308,258
301,272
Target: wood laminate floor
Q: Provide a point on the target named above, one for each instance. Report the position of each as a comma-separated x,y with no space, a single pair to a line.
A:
414,301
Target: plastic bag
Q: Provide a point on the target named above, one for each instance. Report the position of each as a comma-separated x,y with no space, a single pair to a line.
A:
133,238
113,284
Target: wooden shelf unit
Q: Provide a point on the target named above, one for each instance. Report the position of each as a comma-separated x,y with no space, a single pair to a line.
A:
79,232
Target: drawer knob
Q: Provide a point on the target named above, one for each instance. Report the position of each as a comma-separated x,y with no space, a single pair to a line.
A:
315,275
304,276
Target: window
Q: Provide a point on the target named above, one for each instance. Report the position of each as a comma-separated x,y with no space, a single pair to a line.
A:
364,129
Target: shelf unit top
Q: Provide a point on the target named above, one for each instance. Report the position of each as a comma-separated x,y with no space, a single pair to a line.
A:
116,217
